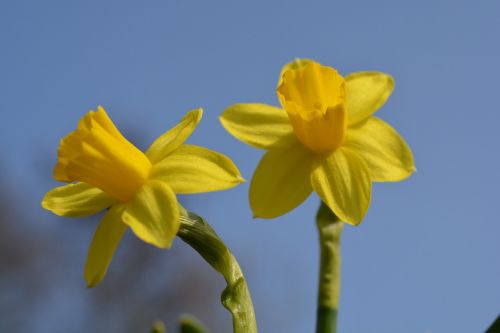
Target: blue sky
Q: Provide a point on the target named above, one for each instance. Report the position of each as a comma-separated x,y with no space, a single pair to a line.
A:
425,259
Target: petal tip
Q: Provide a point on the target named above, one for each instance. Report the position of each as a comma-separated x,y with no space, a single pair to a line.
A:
92,280
222,117
390,78
92,283
44,203
198,114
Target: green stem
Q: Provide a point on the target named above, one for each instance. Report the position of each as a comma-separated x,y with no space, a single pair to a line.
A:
197,233
330,230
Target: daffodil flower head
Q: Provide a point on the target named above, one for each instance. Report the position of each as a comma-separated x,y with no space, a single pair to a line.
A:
98,154
323,139
137,189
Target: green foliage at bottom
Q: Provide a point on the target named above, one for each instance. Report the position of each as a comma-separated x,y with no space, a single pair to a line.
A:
495,327
189,324
158,327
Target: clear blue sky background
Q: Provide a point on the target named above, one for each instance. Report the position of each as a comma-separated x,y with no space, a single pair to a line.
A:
427,256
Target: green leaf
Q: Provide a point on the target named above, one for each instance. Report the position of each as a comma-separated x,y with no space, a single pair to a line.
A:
495,327
189,324
158,327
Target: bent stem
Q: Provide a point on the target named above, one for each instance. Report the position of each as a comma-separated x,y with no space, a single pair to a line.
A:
198,234
330,229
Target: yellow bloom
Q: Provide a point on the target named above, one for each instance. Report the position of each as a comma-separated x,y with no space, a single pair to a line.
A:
323,139
137,188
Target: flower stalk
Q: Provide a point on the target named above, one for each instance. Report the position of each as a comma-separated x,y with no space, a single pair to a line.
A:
329,229
198,234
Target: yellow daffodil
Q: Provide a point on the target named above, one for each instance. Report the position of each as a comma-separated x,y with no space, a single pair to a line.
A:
137,188
324,138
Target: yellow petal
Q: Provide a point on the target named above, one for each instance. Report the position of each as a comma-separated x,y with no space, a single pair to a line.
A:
193,169
76,200
259,125
153,214
173,138
366,92
106,239
343,182
281,181
295,64
103,119
385,152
